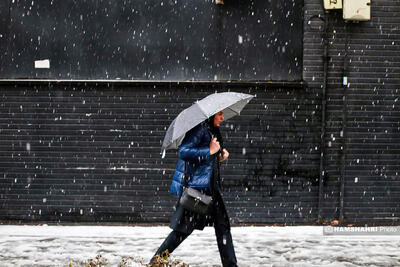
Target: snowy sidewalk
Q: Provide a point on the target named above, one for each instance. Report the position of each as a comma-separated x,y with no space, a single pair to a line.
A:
255,246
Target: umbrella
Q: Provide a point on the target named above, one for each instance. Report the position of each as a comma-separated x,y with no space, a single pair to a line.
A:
231,102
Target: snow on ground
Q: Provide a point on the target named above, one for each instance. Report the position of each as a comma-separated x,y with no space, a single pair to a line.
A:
255,246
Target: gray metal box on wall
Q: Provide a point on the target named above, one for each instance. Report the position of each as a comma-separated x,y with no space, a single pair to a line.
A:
359,10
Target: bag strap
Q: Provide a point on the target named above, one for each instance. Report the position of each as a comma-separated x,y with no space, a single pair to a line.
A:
219,182
185,180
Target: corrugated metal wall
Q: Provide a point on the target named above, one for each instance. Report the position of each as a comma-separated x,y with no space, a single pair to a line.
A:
370,139
90,152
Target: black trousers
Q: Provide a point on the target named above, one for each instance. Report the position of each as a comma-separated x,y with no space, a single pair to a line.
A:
222,233
224,240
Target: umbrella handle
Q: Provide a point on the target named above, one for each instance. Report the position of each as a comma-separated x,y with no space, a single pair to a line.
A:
220,148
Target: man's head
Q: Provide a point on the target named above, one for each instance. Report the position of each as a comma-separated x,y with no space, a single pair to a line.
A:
218,118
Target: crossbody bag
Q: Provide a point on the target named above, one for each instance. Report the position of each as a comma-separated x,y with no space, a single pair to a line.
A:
192,199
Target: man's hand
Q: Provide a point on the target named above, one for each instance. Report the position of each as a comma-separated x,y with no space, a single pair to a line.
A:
224,155
214,146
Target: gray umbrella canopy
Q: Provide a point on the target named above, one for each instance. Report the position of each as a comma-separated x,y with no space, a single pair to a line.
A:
232,104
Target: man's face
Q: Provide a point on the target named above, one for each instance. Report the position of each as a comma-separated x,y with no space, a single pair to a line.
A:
218,118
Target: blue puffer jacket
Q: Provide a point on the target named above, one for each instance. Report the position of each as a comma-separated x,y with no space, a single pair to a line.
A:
196,152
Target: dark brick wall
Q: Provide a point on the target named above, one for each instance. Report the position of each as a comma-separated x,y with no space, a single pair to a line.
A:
371,139
92,153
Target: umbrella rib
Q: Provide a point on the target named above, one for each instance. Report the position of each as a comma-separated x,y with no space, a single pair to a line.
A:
233,111
204,113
